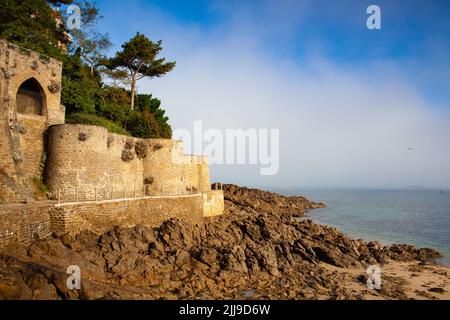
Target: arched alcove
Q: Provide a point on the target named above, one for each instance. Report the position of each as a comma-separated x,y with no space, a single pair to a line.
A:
30,98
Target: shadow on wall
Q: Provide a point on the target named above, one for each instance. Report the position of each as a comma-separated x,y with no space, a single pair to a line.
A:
30,98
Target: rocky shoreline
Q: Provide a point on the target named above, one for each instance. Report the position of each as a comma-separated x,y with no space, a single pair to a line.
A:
257,250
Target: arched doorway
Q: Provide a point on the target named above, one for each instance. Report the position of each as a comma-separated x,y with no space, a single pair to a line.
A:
30,98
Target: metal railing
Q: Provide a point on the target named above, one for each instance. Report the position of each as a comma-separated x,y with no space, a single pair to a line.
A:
217,186
77,194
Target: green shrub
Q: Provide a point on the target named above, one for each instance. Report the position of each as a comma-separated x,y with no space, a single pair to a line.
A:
157,146
84,118
115,95
129,144
127,155
141,149
40,187
89,101
78,96
114,112
151,119
149,180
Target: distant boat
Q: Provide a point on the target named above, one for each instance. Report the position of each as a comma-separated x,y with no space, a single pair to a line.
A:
442,191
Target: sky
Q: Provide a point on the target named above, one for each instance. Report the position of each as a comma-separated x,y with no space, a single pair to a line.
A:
354,107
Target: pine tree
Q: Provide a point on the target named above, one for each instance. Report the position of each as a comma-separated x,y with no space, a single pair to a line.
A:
139,59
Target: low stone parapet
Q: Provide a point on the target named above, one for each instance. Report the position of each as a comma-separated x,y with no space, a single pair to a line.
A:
21,224
213,203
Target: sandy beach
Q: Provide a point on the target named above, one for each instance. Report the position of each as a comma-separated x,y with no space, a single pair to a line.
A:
400,280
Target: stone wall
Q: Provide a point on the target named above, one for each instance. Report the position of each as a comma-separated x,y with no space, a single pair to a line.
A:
84,160
22,136
123,175
21,224
100,216
213,203
203,174
164,163
32,145
18,65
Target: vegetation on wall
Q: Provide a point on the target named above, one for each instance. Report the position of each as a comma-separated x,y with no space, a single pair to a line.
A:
87,92
41,190
141,149
149,180
93,119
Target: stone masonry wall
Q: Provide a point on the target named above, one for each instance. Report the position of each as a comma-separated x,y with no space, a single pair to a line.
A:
18,65
85,160
20,157
82,162
32,144
126,175
203,174
164,163
21,224
100,216
213,203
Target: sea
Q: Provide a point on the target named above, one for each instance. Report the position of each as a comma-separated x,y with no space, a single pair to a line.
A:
416,216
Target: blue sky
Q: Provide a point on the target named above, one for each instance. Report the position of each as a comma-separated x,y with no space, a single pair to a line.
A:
414,33
265,63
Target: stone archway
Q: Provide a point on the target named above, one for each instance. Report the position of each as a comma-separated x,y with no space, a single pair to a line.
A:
30,98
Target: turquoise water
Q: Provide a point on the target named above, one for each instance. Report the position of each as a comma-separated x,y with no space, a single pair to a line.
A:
419,217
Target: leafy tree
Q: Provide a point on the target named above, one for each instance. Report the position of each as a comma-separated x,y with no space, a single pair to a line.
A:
143,124
116,95
79,90
139,59
90,43
114,112
78,96
31,23
145,103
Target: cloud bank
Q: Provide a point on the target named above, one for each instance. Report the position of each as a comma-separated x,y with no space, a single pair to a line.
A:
340,125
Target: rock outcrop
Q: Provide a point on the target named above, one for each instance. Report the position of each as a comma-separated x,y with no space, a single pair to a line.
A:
245,200
258,249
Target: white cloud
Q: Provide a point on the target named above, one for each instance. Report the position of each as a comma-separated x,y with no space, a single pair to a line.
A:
339,126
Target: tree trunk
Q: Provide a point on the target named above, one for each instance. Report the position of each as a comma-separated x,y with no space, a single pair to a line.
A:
133,89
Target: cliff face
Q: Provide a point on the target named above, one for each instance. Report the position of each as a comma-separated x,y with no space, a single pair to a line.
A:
256,249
